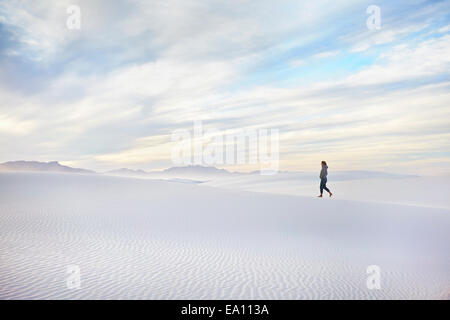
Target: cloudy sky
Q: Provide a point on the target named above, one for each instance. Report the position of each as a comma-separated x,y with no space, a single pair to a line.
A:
112,93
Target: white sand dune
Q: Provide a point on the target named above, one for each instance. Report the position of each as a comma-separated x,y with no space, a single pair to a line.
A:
360,186
144,239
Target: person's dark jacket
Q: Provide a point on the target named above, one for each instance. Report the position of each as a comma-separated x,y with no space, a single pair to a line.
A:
324,172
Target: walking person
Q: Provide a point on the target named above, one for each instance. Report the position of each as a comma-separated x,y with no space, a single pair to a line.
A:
323,179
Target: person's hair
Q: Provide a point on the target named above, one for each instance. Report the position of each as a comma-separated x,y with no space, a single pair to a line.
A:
324,163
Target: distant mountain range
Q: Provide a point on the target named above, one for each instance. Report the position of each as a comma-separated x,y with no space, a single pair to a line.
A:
55,166
187,171
195,172
52,166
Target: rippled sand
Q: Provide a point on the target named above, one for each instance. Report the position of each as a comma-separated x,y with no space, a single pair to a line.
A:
143,239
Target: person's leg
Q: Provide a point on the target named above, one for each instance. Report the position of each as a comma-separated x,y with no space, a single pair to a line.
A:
322,185
325,187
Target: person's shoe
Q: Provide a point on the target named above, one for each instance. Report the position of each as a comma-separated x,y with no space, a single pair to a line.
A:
319,196
330,194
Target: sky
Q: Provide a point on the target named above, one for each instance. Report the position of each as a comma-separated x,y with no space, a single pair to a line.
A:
111,93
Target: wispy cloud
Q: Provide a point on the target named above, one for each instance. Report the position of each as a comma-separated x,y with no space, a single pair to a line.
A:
111,93
326,54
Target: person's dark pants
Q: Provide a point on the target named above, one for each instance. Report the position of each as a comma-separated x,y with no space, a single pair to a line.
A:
323,185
